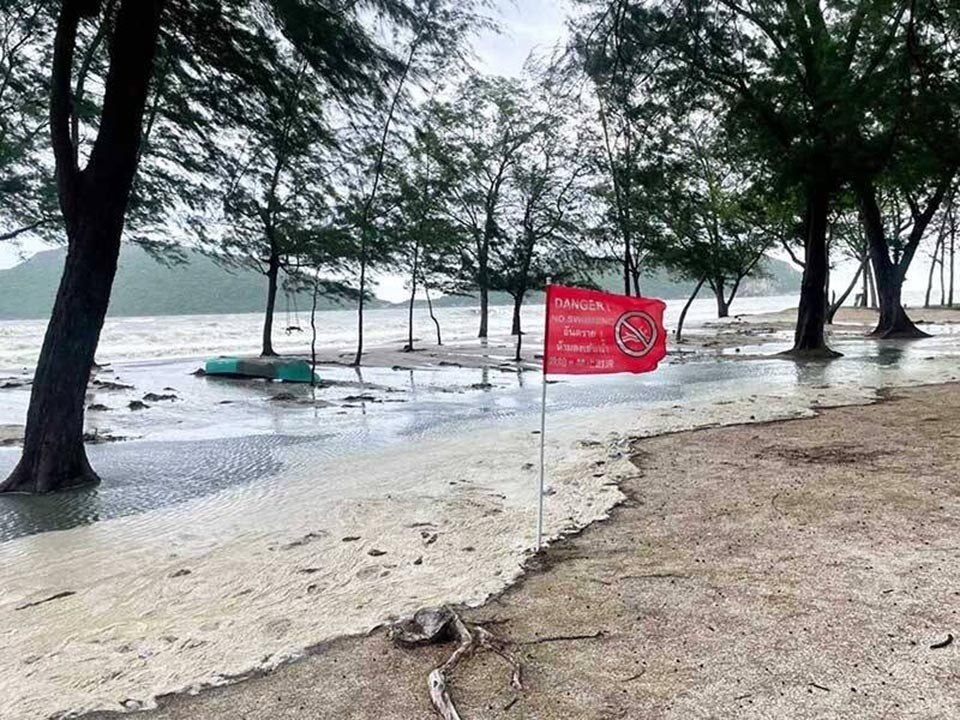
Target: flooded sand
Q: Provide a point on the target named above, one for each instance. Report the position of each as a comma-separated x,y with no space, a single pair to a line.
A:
280,528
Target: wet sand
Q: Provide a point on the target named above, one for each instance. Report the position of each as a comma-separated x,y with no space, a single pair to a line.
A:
797,569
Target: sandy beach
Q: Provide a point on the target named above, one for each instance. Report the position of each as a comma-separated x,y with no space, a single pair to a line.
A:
799,569
337,513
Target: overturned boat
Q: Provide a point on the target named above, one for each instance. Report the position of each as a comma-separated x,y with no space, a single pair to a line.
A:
282,369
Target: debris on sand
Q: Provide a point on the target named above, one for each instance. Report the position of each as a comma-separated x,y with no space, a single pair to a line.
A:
943,643
110,385
288,397
58,596
101,437
13,383
284,397
360,398
429,627
155,397
11,435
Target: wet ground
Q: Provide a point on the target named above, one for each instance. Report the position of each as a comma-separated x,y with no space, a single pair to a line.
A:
220,433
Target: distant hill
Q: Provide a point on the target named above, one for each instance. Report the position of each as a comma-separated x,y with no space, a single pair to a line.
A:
145,287
201,286
776,278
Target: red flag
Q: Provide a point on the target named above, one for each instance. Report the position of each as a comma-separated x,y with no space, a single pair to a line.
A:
590,332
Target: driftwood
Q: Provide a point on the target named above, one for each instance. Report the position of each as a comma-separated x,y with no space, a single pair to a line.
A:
435,626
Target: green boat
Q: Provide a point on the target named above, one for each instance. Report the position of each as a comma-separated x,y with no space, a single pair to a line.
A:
295,371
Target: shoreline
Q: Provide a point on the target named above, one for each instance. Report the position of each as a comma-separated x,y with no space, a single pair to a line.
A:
298,615
343,677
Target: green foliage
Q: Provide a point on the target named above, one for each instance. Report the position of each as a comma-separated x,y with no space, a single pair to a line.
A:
27,202
541,234
720,220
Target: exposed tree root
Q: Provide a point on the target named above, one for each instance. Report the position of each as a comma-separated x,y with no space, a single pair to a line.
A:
821,353
907,332
433,626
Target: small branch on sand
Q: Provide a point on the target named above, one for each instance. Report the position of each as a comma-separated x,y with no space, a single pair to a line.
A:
432,626
563,638
58,596
943,643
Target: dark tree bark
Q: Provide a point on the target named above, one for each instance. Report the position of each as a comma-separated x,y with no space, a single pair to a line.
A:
94,203
835,306
313,332
517,330
484,312
273,273
686,307
720,292
361,303
635,276
626,268
894,321
943,264
483,263
933,266
953,238
426,291
809,339
413,295
872,286
517,305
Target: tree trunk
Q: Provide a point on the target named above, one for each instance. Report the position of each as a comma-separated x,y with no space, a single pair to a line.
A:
872,285
834,307
683,313
894,322
517,330
627,263
54,457
809,338
864,301
933,266
313,332
433,317
953,237
94,204
723,308
273,276
943,265
413,296
826,283
484,312
358,358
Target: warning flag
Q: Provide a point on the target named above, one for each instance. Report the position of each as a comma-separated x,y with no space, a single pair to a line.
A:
590,332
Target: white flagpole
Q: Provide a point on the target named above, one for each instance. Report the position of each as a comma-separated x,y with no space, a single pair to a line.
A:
543,441
543,418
